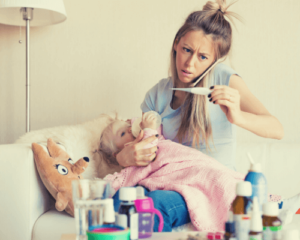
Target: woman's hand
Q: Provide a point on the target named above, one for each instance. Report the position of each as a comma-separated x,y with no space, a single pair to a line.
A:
229,100
243,109
134,155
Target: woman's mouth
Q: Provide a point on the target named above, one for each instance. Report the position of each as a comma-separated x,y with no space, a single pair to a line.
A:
186,73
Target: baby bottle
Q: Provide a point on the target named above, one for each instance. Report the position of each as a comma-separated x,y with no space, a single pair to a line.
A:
145,208
135,123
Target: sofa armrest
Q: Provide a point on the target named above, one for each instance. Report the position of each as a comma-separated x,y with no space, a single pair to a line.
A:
23,197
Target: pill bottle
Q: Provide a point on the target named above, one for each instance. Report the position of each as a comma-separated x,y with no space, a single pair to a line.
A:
242,209
256,227
272,225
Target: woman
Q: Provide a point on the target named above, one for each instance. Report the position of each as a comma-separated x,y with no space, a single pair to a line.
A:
207,124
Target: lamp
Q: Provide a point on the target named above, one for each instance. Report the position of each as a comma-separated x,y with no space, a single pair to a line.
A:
35,13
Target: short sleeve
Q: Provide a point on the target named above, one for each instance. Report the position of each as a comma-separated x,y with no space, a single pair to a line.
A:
222,74
149,102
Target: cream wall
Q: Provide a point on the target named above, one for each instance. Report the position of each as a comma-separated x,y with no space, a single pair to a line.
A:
107,54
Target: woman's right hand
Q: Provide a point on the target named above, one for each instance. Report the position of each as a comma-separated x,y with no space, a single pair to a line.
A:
133,154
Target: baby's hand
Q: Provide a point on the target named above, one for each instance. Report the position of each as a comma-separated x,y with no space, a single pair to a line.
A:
149,122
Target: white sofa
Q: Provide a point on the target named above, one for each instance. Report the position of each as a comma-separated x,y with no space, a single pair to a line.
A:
27,210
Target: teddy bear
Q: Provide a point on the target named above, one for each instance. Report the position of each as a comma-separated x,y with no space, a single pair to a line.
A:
57,171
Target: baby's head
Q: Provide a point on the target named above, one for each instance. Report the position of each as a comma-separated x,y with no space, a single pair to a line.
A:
113,139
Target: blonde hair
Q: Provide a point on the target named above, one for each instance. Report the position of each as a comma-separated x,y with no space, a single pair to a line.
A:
211,20
107,148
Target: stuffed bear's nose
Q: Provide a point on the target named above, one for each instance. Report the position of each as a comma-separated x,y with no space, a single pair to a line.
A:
86,159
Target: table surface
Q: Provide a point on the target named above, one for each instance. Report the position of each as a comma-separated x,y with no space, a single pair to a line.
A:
155,236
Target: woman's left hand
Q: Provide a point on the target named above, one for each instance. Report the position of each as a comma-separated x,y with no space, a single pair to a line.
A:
229,101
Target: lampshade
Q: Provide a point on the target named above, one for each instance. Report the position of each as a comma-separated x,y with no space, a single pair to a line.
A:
46,12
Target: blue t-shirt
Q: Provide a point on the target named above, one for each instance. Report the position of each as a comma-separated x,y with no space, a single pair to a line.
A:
223,147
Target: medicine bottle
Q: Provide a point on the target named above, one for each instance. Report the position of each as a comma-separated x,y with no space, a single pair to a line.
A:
127,214
229,228
258,182
242,209
256,227
271,223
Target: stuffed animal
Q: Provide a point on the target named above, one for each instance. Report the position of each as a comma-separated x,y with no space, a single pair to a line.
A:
57,172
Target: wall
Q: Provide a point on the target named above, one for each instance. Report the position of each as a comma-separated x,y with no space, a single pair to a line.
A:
107,54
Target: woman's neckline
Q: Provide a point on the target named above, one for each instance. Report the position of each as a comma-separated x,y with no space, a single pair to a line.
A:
174,105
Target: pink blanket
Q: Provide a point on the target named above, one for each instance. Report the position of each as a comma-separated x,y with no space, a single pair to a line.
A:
207,186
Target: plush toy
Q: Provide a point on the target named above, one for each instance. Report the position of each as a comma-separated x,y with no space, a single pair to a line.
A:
57,172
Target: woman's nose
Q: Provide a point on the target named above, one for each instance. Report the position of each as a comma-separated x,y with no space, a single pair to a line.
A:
129,129
190,61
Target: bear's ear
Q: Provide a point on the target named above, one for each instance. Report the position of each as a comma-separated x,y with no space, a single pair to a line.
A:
55,151
39,153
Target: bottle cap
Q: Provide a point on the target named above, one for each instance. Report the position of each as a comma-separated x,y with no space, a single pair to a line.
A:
271,209
256,220
140,193
244,188
255,167
127,194
291,234
109,212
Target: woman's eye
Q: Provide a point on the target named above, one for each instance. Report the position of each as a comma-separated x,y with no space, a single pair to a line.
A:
186,49
203,57
122,134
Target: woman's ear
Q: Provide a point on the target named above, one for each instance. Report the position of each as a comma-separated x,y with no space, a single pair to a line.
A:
175,44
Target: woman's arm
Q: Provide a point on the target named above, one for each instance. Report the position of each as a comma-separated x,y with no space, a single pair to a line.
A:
245,110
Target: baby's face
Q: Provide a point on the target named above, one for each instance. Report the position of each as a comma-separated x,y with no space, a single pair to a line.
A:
122,134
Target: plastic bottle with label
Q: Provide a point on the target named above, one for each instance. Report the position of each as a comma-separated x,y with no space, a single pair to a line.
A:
258,182
271,223
256,227
145,208
229,228
242,210
127,214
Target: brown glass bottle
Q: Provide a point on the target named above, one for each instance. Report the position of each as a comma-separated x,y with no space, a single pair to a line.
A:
241,207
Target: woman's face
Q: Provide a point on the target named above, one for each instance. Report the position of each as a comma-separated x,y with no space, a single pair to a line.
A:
194,54
122,134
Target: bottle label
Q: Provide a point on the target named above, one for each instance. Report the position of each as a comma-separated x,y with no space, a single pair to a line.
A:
242,226
260,190
272,233
134,226
256,237
122,220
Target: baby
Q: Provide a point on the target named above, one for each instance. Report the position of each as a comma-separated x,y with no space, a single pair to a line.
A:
204,183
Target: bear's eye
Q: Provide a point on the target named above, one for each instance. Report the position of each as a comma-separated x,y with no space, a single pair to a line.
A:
70,161
62,169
